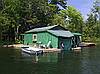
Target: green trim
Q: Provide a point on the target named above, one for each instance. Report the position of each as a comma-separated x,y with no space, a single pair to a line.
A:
78,34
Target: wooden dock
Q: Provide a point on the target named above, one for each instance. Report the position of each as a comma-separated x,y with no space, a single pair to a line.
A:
51,50
85,44
77,49
14,45
44,49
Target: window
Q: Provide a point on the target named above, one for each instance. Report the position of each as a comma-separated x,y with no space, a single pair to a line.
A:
34,37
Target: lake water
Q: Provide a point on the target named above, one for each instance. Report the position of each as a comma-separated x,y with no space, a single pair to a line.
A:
13,61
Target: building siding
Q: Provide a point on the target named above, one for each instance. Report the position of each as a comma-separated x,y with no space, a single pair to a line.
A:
53,39
67,43
42,37
45,37
28,39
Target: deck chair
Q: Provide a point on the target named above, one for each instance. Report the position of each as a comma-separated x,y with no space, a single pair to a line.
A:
48,45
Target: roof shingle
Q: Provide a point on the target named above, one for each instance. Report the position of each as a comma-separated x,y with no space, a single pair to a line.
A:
61,33
40,29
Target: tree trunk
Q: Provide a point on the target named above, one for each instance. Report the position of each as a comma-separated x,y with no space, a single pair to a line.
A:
0,33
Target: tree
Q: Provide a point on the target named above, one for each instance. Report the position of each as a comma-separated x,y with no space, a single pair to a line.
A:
96,9
93,21
23,14
60,2
1,5
73,18
96,12
4,24
90,27
58,20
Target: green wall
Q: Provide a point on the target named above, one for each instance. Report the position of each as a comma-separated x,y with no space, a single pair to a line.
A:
53,39
42,37
28,38
67,43
45,37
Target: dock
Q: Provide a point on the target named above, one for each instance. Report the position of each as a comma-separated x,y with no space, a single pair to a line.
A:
86,44
18,46
13,45
77,49
51,50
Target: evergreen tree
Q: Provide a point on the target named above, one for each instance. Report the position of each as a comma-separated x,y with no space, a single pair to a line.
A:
92,26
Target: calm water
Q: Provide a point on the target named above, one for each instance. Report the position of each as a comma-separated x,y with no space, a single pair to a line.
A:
13,61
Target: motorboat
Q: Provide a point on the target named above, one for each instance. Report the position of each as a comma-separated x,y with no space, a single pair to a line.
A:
31,50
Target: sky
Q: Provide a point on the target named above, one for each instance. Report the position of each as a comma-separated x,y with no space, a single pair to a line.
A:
84,6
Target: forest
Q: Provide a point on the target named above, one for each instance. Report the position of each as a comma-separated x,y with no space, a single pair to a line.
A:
18,16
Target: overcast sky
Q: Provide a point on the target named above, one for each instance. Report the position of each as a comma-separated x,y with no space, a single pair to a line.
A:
84,6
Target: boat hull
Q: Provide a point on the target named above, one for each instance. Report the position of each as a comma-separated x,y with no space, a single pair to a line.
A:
31,51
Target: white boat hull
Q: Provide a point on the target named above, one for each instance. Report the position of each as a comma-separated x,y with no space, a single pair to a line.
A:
32,50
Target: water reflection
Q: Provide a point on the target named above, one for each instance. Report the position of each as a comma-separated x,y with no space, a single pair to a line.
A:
51,57
46,57
90,62
27,57
56,63
13,61
69,63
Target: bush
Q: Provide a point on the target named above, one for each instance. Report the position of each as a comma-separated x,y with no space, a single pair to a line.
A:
18,41
91,39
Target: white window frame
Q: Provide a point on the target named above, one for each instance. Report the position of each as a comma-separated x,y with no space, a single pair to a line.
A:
34,37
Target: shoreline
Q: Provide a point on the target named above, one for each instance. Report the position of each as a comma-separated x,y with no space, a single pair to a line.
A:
20,45
87,44
16,46
82,44
13,45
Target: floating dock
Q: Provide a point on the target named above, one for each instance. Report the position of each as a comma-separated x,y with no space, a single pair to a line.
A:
44,50
51,50
77,49
85,44
14,45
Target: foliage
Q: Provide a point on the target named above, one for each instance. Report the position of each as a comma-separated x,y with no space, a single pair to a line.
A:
18,41
60,2
92,25
73,19
17,16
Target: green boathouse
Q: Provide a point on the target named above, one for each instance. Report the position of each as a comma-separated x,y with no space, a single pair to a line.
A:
56,36
76,39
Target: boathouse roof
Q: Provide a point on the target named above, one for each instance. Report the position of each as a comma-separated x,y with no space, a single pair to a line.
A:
61,33
77,34
40,29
